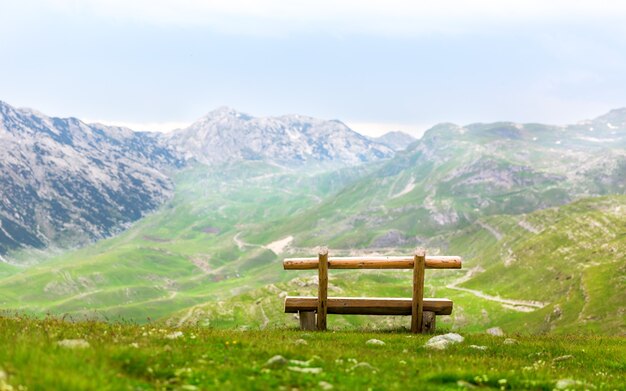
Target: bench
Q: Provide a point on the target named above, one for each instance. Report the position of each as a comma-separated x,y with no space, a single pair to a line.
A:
312,311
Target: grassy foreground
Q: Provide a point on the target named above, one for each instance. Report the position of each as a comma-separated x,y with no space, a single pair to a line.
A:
135,357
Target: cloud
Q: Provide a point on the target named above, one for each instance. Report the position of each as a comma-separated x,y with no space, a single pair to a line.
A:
390,17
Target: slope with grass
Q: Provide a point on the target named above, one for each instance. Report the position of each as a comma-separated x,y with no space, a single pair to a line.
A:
560,270
463,190
185,253
52,354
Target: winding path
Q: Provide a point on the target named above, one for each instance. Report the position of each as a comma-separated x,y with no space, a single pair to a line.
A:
516,305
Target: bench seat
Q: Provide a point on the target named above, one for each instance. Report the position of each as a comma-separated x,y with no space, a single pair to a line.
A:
366,305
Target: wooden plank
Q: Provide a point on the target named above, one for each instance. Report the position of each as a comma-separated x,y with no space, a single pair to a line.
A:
322,295
367,305
417,304
429,322
432,262
307,320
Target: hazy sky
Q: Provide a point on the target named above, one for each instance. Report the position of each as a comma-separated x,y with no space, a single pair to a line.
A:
376,65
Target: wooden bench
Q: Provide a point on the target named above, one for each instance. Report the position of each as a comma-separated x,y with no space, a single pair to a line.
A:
312,311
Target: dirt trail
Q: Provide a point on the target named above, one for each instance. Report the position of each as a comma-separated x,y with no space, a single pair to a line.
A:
266,320
516,305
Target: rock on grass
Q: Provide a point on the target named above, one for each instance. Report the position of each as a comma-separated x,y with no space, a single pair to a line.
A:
562,358
495,331
441,342
174,335
375,342
73,343
276,362
313,371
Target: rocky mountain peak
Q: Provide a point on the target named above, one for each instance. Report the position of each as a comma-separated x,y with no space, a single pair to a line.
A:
396,140
228,135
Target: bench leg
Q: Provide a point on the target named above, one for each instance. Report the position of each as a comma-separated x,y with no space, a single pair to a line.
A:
307,320
428,322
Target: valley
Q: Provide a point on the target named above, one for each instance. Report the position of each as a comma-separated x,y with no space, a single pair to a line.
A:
529,207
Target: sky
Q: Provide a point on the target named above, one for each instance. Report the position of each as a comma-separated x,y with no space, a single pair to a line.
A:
375,65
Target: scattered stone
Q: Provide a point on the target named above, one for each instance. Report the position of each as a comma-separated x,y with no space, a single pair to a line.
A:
465,384
73,343
134,345
174,335
301,342
315,361
275,362
478,347
300,363
510,341
3,375
313,371
564,384
189,387
376,342
325,385
438,345
495,331
441,342
363,366
562,358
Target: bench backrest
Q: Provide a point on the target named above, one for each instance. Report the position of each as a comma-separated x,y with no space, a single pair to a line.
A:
418,262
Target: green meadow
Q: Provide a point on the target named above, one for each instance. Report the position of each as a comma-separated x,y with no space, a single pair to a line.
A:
36,355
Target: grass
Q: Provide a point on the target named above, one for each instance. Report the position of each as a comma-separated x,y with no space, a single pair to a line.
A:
128,356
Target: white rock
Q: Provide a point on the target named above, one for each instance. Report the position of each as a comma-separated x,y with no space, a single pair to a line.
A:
73,343
441,342
314,371
277,361
325,385
363,365
562,358
510,341
174,335
438,345
478,347
564,384
496,331
301,342
373,341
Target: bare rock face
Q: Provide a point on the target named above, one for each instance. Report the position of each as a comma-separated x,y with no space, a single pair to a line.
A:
396,140
225,135
65,182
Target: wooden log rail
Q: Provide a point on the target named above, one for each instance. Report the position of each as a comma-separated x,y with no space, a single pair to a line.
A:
367,305
431,262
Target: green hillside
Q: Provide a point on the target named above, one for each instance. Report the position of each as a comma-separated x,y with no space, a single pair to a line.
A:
212,254
188,252
559,270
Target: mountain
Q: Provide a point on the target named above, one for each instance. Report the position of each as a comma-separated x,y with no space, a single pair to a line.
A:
396,140
226,135
212,252
456,174
66,183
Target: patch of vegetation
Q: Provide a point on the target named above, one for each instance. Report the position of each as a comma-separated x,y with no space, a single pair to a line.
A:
57,354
